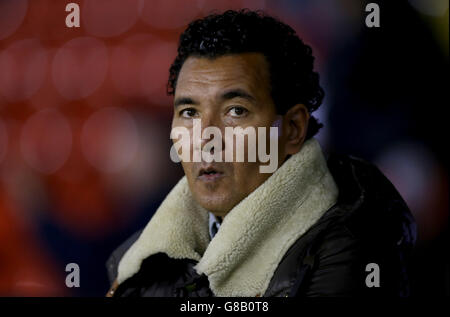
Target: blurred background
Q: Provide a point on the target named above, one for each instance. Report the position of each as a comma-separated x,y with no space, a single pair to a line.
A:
85,122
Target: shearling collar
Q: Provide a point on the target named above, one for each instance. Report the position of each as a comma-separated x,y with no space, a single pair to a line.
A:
254,236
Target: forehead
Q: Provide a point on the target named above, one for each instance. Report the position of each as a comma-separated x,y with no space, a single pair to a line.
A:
247,70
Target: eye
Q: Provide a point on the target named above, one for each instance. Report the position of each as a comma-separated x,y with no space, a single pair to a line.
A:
188,113
238,111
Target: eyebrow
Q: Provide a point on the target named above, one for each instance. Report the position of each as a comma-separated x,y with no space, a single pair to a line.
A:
236,93
184,101
230,94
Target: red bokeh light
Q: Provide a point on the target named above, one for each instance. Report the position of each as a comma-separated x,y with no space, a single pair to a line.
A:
109,139
126,62
170,14
80,67
46,141
12,14
23,66
107,18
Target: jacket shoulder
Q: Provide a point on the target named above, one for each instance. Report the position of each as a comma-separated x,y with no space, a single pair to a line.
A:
113,261
369,224
343,263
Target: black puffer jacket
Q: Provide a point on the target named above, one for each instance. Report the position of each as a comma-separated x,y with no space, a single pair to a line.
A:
370,223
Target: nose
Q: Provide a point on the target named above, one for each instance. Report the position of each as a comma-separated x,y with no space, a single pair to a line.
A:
211,130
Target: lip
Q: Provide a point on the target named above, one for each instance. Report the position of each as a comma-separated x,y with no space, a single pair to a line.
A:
209,174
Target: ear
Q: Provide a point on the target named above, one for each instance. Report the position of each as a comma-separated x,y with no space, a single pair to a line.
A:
295,123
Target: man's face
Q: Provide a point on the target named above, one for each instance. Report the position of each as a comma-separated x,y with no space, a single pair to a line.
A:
228,91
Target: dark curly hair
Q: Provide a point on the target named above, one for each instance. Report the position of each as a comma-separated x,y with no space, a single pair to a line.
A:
293,79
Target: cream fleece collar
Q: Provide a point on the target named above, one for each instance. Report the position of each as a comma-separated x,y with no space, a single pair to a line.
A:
254,236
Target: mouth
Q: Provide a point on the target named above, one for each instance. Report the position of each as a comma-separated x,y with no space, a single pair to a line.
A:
209,174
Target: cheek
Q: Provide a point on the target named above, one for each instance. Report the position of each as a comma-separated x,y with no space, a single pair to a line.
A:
187,168
246,175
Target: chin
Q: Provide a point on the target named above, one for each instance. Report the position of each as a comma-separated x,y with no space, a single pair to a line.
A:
218,204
